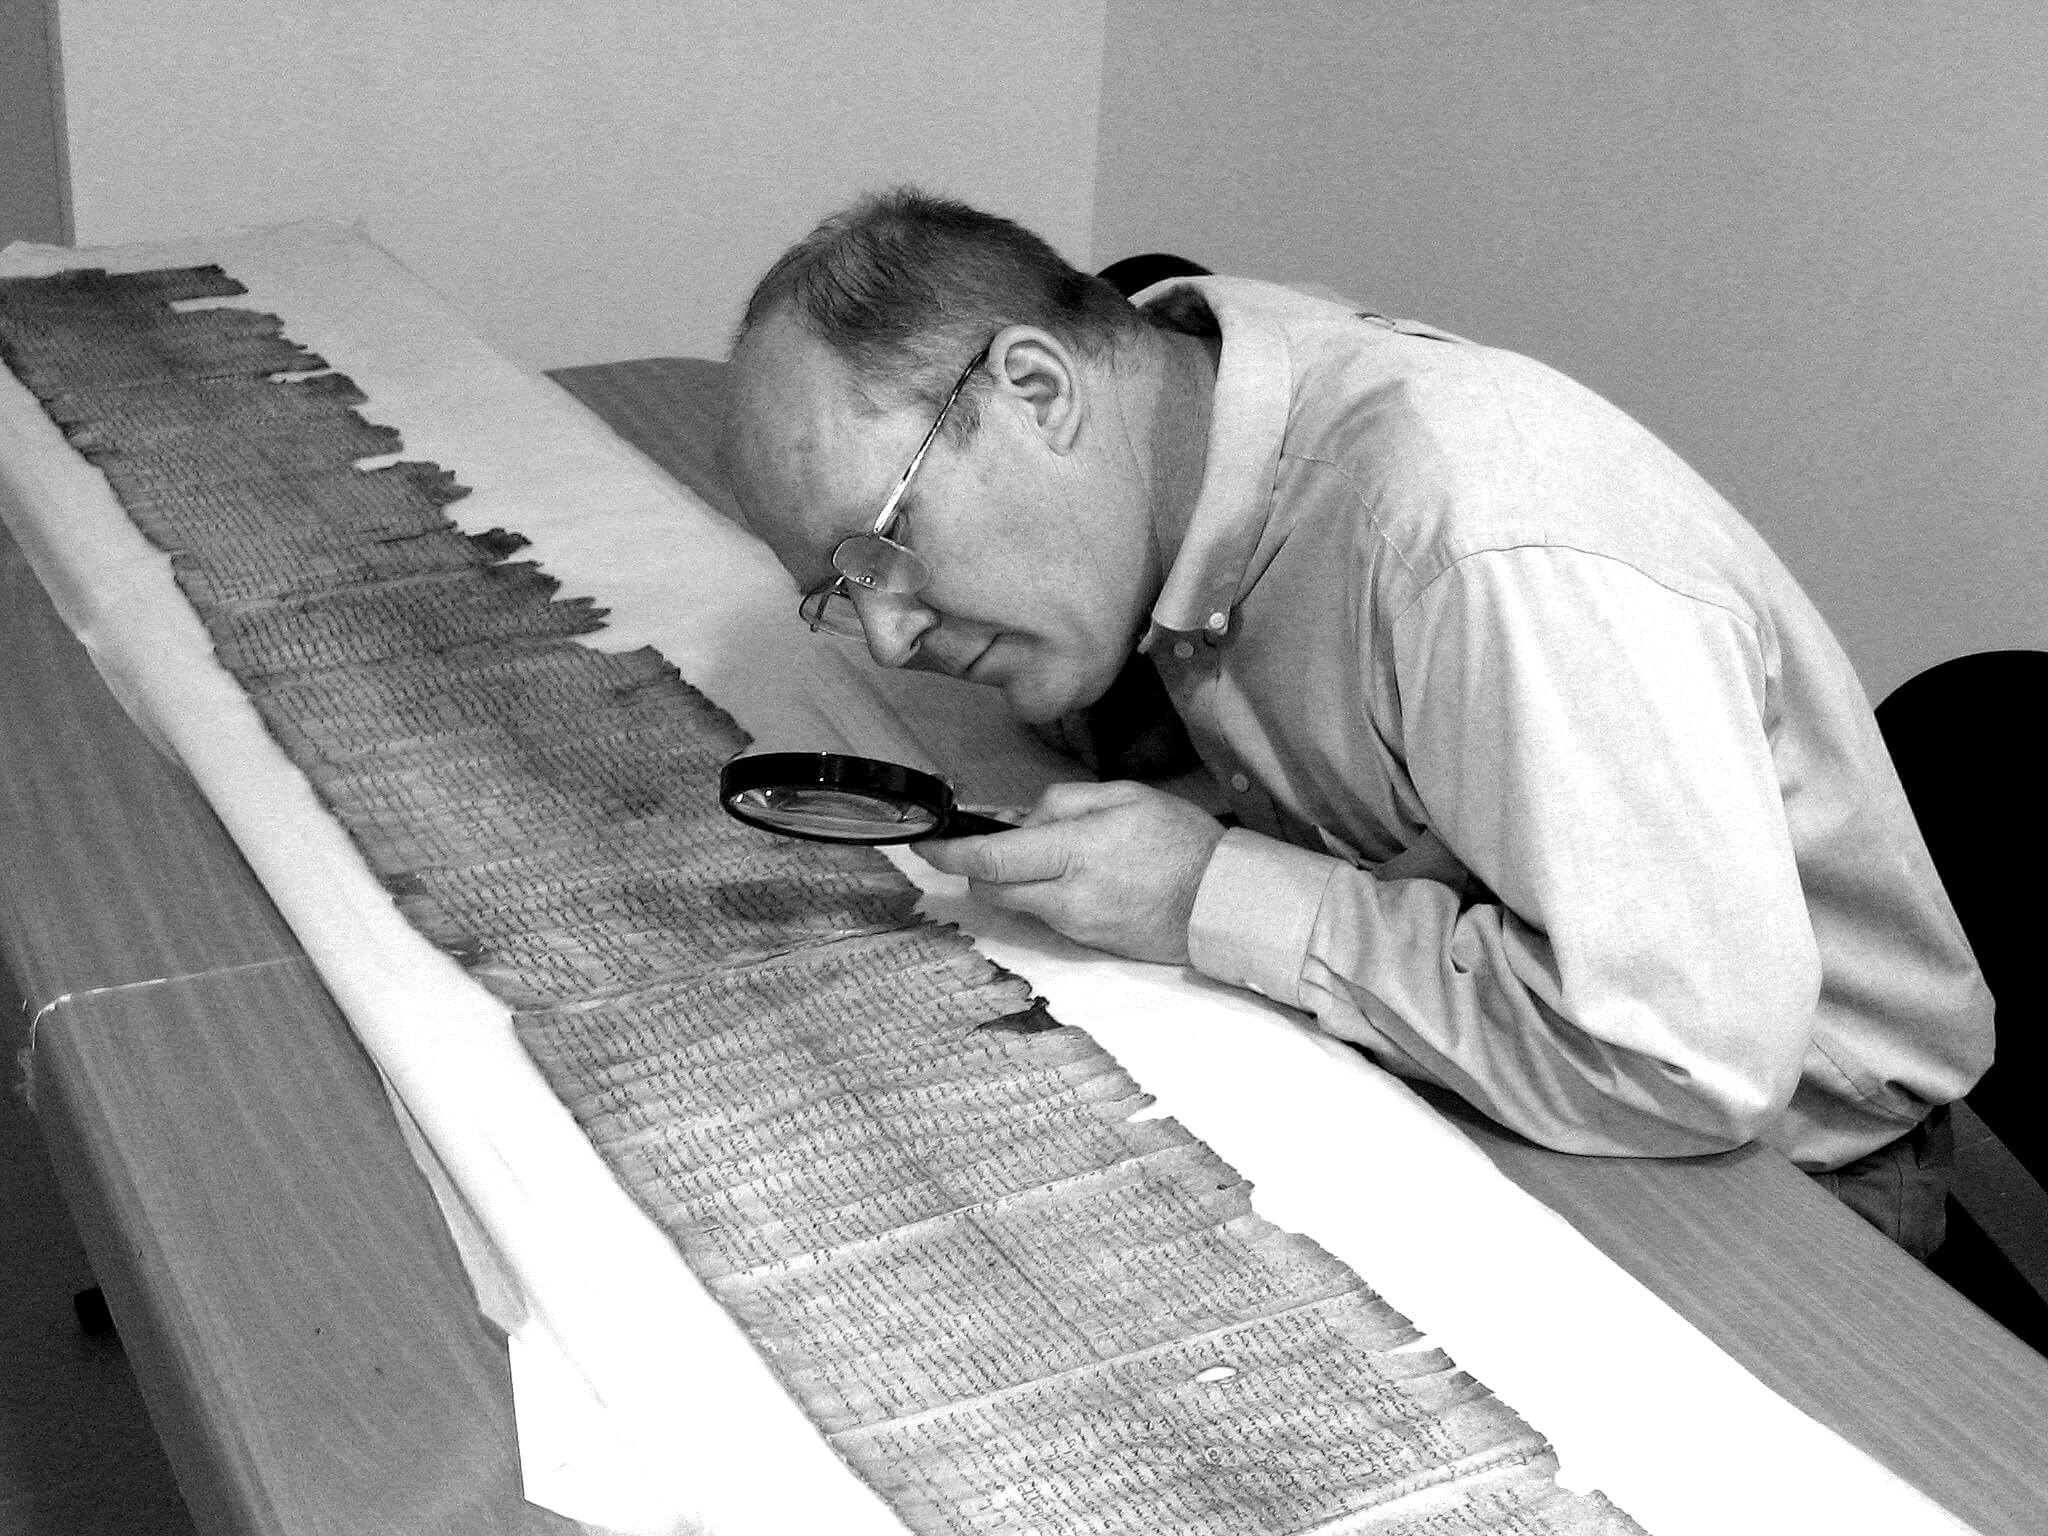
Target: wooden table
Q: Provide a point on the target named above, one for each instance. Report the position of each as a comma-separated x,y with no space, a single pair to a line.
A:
295,1311
290,1301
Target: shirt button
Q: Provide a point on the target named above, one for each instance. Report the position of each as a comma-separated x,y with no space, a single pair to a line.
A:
1218,622
1183,649
1240,782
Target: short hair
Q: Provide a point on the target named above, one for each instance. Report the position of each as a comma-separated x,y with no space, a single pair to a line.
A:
904,285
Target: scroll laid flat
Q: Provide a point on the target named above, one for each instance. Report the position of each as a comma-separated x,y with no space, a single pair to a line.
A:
1206,1029
1084,1335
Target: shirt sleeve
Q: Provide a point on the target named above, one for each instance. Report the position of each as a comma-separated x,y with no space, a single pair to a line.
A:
1639,975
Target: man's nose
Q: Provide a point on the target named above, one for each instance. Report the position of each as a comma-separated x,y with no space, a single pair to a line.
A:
895,625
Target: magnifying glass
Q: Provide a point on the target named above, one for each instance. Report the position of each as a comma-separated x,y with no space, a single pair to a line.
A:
832,797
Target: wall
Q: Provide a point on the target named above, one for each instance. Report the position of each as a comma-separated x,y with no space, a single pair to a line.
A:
1804,240
590,181
31,125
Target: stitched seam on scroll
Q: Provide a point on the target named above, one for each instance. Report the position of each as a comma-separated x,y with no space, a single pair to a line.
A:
1008,1304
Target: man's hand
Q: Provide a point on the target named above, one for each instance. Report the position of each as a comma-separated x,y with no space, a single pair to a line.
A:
1114,866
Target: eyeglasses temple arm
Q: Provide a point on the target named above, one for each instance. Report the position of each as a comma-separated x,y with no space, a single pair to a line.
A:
887,515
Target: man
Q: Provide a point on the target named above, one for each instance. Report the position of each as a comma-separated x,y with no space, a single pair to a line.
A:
1548,784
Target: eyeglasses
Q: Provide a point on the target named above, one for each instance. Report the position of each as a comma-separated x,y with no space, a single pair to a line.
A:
873,559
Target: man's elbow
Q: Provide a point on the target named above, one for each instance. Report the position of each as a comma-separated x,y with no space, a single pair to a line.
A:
1738,1112
1715,1067
1743,1078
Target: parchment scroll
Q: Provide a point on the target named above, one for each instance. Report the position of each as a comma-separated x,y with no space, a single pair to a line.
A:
1011,1300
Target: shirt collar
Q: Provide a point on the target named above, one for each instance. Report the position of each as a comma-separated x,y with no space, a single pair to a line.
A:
1208,553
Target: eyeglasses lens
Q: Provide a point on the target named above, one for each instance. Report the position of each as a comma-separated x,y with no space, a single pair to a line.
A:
880,564
832,611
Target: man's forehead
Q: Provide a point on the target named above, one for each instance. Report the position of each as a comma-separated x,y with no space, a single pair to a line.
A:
808,456
785,384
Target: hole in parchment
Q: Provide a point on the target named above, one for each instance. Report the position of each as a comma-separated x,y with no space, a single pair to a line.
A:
1215,1373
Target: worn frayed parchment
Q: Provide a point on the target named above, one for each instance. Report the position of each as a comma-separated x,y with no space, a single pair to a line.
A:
1010,1300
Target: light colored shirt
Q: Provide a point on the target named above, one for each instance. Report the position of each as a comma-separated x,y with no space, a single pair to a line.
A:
1555,788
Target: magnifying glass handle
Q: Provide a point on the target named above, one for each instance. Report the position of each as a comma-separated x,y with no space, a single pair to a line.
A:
966,824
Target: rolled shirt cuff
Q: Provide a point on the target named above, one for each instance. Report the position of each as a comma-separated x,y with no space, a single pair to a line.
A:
1255,912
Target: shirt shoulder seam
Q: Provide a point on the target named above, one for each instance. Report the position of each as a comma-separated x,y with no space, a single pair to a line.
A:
1741,613
1365,506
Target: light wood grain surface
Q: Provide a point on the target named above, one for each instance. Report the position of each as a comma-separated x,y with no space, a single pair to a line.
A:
1818,1306
290,1301
297,1317
116,869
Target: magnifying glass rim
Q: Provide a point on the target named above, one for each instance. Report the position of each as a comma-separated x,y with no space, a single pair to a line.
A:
871,777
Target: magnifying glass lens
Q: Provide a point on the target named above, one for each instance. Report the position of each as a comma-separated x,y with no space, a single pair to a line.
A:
837,815
833,798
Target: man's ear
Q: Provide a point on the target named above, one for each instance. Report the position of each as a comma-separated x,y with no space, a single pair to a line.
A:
1040,373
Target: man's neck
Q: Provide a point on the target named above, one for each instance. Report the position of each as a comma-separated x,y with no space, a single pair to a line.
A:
1187,391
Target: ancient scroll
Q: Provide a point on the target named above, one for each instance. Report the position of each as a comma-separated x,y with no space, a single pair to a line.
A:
1009,1299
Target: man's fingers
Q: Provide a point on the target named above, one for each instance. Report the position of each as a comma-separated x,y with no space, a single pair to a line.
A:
1064,802
1042,899
948,855
1001,858
1115,866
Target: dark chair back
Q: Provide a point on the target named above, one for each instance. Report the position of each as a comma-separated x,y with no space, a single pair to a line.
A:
1966,739
1135,273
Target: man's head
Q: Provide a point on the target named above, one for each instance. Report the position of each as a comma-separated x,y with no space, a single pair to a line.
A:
1030,515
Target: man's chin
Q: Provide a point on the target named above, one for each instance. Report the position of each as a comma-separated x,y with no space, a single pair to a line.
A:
1040,688
1044,702
1033,711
